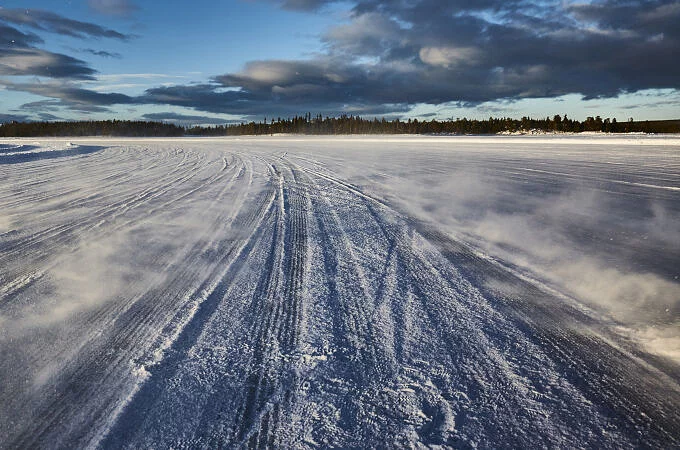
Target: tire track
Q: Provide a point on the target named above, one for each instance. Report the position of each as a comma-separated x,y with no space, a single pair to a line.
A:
349,293
143,318
558,328
306,311
69,232
133,416
136,199
417,269
278,300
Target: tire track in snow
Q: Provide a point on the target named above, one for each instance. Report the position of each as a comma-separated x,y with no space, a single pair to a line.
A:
417,269
417,340
278,300
272,314
131,325
563,333
71,231
234,259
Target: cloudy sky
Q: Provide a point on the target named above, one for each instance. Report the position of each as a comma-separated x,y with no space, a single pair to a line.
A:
214,61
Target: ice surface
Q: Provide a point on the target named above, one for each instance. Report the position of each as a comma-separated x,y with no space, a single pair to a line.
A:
348,292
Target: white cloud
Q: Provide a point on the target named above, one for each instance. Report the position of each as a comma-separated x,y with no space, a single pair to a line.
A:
27,60
448,56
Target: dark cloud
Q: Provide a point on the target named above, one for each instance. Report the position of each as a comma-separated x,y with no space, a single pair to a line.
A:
642,17
54,23
113,7
393,54
256,102
47,117
12,37
102,53
33,61
184,119
397,52
304,5
71,93
671,102
43,109
19,54
85,108
41,106
6,118
68,96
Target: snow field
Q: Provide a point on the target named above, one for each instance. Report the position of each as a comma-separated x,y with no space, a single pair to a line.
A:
347,292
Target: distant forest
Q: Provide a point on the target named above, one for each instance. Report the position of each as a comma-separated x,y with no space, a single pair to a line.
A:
318,125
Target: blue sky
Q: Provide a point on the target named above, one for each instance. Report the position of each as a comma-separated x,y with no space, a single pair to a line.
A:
210,62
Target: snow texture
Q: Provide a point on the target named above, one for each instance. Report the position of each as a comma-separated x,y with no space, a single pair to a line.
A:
340,292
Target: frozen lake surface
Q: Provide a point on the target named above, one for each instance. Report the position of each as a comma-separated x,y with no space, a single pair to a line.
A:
348,292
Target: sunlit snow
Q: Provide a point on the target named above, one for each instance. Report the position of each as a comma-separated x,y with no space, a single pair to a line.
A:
348,292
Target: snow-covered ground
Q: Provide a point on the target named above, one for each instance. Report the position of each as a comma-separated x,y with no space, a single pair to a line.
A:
347,292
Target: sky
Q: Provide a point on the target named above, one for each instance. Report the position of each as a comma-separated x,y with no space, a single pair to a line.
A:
214,62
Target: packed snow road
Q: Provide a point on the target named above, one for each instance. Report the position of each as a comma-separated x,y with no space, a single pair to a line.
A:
318,292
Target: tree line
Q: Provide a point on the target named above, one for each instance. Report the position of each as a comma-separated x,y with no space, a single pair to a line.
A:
91,128
344,124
